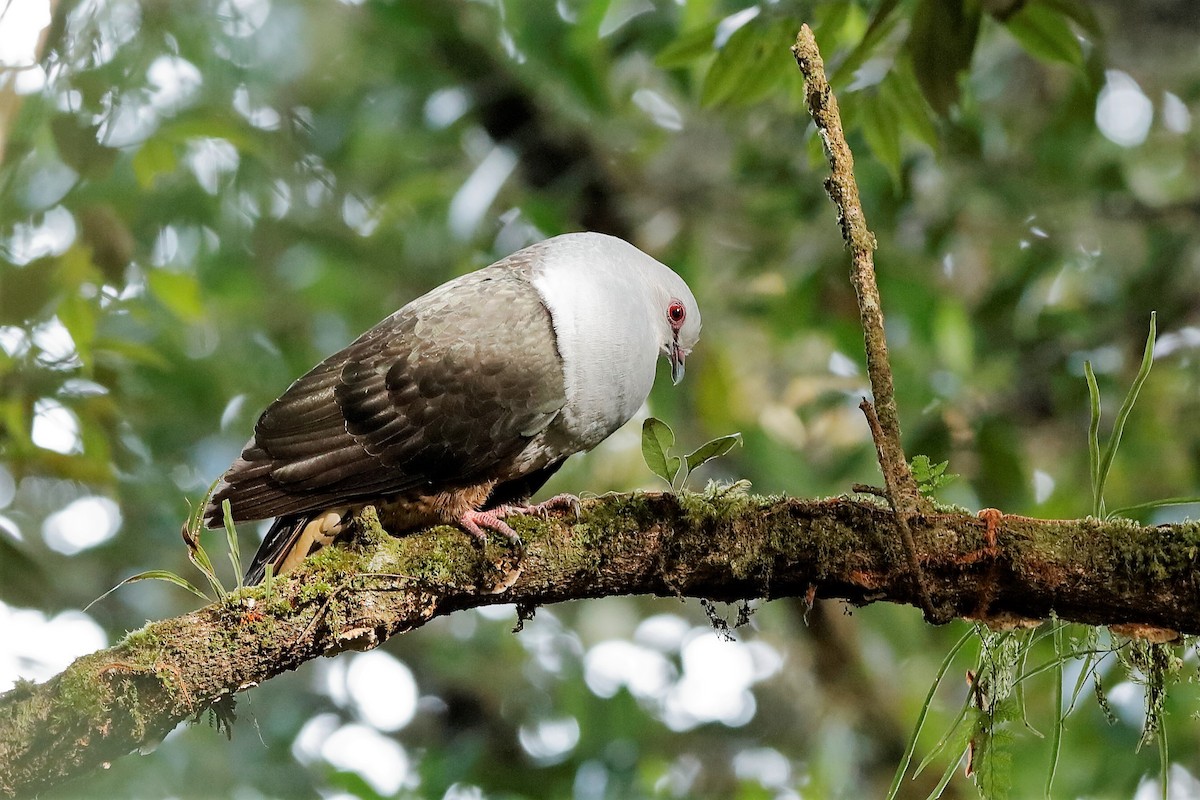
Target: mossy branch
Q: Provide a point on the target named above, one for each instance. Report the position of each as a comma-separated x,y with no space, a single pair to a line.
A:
728,546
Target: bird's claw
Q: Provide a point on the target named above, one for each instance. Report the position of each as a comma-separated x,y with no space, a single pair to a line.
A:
474,523
560,502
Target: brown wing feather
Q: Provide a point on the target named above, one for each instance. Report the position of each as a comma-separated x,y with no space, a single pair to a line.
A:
444,391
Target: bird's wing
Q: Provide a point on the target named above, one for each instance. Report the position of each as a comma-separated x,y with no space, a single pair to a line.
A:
440,393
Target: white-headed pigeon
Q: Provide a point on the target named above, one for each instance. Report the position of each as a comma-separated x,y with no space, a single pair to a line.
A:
460,405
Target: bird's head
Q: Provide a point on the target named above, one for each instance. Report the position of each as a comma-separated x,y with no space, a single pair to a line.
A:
678,320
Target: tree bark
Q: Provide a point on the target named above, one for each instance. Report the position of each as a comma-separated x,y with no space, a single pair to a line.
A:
723,545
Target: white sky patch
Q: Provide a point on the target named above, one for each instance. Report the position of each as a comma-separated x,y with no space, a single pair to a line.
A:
501,611
263,117
8,487
10,529
1128,701
85,523
281,199
663,632
21,22
233,410
1123,112
1175,114
551,646
116,23
210,159
359,216
55,345
1181,785
382,690
128,119
379,760
51,237
660,111
241,18
615,663
174,82
842,365
36,648
766,765
717,676
1187,338
1043,486
549,741
445,107
55,427
14,341
479,190
81,387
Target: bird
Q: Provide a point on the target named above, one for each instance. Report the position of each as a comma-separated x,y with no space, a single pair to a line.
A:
459,406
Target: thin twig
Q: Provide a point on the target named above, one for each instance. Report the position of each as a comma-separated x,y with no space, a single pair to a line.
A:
843,190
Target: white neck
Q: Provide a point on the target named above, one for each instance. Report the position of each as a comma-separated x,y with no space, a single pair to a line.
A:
602,319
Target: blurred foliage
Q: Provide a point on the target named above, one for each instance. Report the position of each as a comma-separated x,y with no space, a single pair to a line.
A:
200,200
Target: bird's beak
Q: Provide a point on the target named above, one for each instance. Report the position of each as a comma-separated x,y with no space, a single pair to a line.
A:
676,357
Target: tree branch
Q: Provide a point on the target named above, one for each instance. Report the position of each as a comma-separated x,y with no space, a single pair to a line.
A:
1001,569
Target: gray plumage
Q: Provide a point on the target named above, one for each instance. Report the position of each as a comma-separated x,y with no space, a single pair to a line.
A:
467,398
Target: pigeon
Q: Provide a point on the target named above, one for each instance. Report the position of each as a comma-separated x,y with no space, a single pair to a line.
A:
459,406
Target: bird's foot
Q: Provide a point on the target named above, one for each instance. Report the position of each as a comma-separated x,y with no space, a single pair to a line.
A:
560,502
474,523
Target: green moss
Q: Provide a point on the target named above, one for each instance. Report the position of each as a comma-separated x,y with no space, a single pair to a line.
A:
82,691
314,591
146,638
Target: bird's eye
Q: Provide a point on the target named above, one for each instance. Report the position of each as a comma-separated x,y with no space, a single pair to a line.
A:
676,313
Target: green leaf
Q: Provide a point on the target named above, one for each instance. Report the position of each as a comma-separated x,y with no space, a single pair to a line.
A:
688,47
883,22
930,476
79,146
28,290
1093,437
916,116
1078,11
1059,715
1045,34
156,157
881,128
657,440
1114,440
154,575
235,551
941,43
902,767
710,450
178,291
1125,511
749,65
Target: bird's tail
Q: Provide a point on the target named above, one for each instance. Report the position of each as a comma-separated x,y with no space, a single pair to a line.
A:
290,540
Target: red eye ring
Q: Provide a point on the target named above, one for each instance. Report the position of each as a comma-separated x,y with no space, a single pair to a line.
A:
676,313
